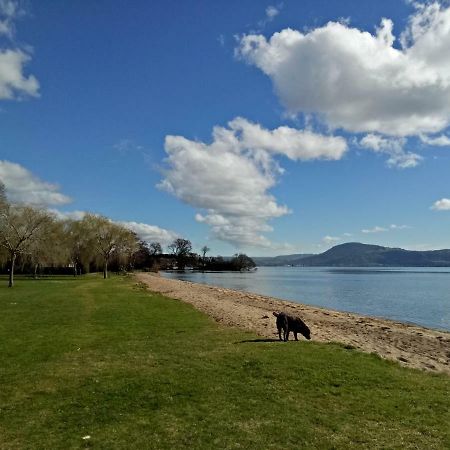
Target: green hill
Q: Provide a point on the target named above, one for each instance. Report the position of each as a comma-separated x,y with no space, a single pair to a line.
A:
357,254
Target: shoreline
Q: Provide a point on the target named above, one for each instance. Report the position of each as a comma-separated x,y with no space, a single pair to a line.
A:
408,344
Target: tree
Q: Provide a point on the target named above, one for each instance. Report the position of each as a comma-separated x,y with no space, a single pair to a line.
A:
50,248
78,242
3,200
205,249
155,248
108,238
20,228
242,262
181,248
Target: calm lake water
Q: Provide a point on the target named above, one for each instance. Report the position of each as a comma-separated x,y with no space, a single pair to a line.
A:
415,295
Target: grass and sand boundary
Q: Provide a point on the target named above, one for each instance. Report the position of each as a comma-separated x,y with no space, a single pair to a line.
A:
410,345
93,363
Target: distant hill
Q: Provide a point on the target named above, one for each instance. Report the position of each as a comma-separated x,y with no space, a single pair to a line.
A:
283,260
355,254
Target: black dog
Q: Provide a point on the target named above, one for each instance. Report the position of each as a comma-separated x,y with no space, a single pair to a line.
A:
289,323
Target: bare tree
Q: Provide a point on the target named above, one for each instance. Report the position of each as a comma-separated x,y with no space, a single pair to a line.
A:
205,249
20,227
181,248
155,248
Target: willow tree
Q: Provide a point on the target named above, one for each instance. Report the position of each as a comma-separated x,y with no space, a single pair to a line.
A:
109,239
79,244
3,201
20,228
48,248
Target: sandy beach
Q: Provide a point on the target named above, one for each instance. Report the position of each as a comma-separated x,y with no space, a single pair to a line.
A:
409,345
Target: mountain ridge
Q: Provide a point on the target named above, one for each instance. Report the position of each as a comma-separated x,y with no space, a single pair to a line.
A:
356,254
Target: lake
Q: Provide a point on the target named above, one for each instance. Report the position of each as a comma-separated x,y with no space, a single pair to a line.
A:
415,295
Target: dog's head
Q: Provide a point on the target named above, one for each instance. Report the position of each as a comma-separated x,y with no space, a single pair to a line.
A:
307,333
305,330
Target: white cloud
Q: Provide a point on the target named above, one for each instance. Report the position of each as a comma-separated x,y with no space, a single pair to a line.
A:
272,12
295,144
67,215
151,233
146,232
331,239
438,141
9,11
24,187
229,180
13,82
376,229
399,227
393,147
359,81
442,205
126,146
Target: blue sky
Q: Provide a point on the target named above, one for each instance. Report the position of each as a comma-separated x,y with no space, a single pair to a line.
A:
263,127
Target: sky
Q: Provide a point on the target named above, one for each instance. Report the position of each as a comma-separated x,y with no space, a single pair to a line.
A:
247,126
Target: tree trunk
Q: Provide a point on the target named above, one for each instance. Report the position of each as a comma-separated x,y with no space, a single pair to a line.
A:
35,270
105,269
11,270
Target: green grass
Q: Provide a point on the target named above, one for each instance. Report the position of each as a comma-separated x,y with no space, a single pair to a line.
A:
134,370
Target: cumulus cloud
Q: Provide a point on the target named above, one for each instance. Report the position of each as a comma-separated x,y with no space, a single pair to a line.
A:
358,80
67,215
24,187
146,232
438,141
229,180
14,83
442,205
295,144
151,233
393,147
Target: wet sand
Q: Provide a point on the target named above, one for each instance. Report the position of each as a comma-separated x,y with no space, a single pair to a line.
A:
409,345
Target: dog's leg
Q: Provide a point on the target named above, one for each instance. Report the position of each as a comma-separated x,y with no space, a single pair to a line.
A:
286,335
279,333
295,335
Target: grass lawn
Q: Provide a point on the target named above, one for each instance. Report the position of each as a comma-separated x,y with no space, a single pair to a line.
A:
133,370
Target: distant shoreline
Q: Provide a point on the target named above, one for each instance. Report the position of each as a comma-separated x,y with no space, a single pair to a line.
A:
410,345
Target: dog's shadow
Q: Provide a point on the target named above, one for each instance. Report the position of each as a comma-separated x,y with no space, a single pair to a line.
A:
249,341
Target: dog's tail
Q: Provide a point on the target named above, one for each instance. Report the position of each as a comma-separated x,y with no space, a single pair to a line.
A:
276,314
